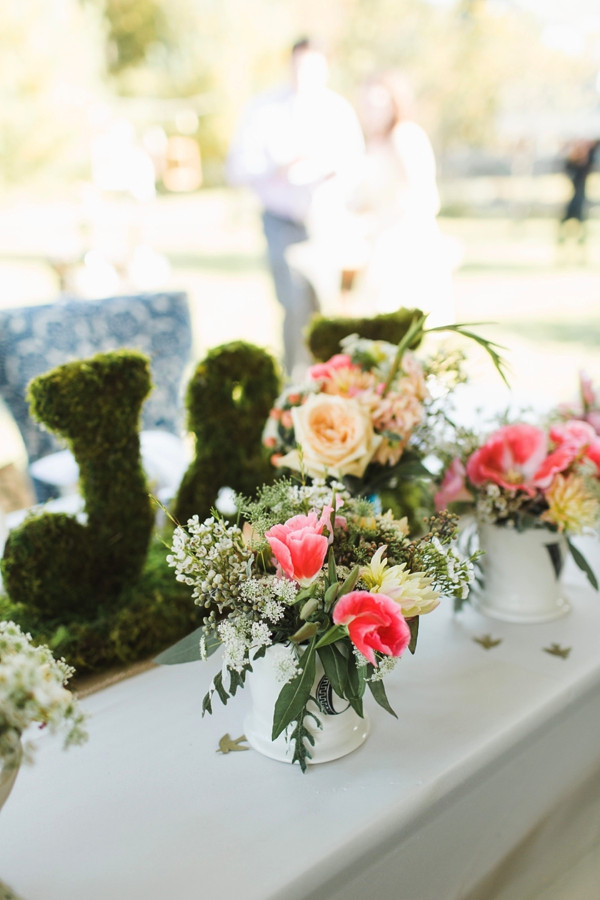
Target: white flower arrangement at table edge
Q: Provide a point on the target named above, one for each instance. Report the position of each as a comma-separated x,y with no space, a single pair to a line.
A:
33,690
309,569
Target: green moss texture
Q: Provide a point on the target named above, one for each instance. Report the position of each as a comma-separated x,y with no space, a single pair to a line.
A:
52,563
324,334
228,400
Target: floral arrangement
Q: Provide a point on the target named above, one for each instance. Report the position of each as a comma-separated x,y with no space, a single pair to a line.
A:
321,571
368,415
33,690
524,476
359,417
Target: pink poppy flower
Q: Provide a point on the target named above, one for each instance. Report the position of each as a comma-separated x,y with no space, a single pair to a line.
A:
327,369
510,458
453,488
374,622
300,547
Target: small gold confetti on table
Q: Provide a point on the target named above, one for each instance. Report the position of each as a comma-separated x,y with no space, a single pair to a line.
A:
487,641
557,650
227,744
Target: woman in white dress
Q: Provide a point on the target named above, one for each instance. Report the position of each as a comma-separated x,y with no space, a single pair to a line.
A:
410,261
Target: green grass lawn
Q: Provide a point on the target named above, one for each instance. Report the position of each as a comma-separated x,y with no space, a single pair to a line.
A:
546,304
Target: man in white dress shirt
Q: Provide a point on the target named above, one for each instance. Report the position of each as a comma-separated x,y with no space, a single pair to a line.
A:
300,147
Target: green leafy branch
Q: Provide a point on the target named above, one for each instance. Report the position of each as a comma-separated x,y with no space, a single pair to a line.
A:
417,330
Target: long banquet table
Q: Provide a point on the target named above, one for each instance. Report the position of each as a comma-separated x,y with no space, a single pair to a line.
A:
487,785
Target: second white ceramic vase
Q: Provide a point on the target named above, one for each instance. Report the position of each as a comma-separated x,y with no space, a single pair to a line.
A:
521,574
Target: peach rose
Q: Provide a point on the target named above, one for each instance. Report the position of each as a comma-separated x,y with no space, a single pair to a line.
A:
336,436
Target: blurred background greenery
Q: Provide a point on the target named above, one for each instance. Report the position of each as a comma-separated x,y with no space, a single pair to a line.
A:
502,87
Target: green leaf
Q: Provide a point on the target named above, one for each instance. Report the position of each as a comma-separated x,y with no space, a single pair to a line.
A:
236,680
583,564
336,668
490,347
378,691
188,648
295,694
357,681
207,704
413,624
335,633
220,688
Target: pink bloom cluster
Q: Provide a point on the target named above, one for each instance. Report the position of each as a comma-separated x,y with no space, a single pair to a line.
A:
523,458
374,621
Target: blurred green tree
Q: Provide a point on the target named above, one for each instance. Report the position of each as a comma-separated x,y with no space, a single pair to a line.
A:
45,88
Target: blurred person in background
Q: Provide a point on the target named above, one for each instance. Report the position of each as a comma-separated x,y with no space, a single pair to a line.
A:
579,162
410,262
300,148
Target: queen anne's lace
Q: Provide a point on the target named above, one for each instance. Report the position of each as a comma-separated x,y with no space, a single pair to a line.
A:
32,690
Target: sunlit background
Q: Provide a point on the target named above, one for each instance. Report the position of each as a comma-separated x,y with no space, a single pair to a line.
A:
116,116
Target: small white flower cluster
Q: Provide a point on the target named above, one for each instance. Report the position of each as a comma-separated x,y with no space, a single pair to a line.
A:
211,558
495,504
319,493
32,689
386,665
268,596
285,668
266,601
240,635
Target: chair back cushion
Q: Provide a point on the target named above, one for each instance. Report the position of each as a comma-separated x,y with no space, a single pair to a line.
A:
35,339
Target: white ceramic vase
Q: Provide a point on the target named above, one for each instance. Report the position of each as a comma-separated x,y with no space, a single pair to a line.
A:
8,776
343,730
521,574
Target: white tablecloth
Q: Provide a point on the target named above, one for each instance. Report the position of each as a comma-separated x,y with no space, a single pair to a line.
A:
486,787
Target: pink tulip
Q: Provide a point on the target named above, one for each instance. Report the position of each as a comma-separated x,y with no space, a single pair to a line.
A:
300,547
510,458
453,488
374,622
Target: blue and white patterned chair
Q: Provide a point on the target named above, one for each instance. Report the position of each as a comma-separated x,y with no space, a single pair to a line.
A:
35,339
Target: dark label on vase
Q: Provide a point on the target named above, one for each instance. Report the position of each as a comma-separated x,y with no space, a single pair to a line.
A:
325,698
556,557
